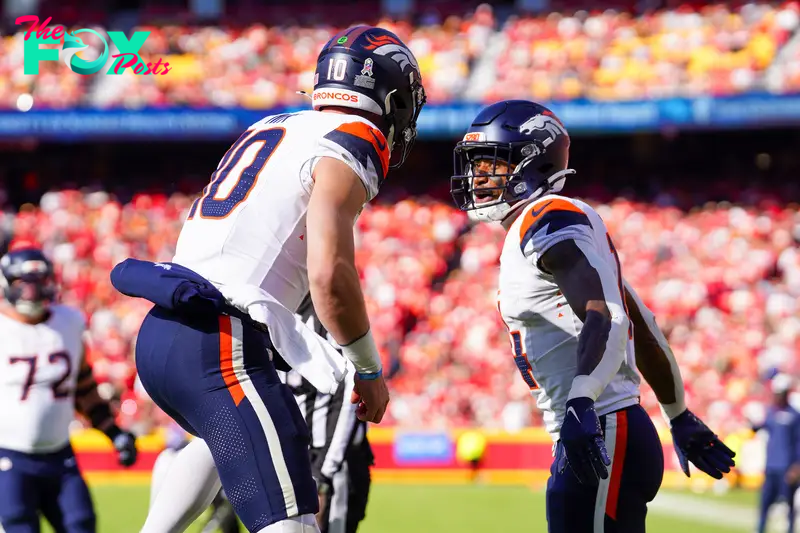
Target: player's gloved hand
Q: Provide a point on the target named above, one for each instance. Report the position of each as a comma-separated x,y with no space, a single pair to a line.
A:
695,442
125,444
582,440
371,395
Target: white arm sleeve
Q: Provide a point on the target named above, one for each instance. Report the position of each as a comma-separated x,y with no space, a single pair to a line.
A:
671,410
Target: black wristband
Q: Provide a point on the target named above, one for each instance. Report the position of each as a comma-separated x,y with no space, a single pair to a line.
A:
113,432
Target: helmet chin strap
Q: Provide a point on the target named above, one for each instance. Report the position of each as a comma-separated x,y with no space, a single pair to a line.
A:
490,213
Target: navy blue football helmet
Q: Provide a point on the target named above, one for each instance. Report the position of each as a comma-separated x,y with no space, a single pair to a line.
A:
524,136
370,68
27,280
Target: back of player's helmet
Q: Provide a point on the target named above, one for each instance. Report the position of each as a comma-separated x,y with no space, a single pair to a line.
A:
370,69
524,137
27,280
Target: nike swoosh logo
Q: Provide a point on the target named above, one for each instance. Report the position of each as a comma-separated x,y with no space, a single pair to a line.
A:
572,410
381,144
536,212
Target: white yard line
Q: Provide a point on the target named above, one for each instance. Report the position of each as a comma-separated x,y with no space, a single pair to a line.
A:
703,510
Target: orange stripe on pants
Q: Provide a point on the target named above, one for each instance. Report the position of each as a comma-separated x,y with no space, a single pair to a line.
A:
617,463
226,360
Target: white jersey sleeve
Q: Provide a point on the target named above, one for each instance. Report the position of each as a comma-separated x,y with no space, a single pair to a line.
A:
362,147
550,221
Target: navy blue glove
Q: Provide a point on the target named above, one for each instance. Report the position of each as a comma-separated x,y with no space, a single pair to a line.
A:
582,440
695,442
125,444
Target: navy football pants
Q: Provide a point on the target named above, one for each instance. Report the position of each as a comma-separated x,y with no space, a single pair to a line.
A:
619,504
49,483
214,376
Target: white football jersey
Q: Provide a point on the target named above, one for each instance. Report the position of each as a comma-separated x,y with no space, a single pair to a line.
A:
249,225
543,328
39,366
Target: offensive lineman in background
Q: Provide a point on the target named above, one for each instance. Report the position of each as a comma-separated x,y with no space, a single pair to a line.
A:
340,453
574,324
278,217
44,379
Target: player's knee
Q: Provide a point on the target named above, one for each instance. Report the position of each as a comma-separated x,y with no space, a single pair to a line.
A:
83,521
297,524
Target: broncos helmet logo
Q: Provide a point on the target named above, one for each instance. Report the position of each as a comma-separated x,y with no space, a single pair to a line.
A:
385,45
546,123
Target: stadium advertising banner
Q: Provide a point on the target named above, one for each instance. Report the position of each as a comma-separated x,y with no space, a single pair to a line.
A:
443,121
422,448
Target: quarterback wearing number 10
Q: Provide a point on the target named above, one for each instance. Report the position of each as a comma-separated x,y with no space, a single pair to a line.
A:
274,225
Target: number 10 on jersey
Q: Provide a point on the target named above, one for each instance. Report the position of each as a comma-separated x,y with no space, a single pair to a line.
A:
236,174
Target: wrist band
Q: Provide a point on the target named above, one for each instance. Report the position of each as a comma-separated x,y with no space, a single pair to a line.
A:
672,410
369,375
364,354
113,432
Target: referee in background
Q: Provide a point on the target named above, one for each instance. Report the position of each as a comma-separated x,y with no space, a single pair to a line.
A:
340,453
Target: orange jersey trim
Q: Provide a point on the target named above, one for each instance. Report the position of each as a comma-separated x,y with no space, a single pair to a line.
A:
372,135
539,209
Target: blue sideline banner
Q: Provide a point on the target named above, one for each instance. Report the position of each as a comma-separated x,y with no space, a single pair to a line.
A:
419,448
444,122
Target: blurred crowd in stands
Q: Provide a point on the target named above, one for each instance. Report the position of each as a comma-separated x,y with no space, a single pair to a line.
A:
606,55
723,280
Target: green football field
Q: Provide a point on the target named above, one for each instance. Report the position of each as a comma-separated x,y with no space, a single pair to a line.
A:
464,509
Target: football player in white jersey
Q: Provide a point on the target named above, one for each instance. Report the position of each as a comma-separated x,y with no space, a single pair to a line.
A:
44,378
278,215
578,332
